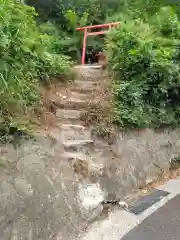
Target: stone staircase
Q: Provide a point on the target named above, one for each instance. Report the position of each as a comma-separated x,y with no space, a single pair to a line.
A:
72,110
86,155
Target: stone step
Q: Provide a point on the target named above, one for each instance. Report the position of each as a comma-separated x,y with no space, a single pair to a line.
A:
76,104
70,100
84,166
94,169
84,86
71,156
74,126
87,91
89,73
71,121
63,114
78,145
89,78
87,66
65,94
74,132
95,157
66,133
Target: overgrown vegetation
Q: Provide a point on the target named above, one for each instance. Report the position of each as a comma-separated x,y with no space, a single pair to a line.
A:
26,56
143,54
144,57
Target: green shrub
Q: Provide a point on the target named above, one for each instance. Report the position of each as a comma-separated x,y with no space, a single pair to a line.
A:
50,65
145,60
18,34
24,57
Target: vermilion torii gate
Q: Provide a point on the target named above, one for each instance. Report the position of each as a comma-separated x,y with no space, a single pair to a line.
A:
87,33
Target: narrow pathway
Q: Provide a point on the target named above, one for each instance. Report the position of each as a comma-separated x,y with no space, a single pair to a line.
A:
86,155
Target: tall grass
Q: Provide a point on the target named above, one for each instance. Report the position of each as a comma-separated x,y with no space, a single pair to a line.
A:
25,57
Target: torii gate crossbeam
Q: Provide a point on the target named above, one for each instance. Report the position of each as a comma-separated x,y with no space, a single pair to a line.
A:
87,33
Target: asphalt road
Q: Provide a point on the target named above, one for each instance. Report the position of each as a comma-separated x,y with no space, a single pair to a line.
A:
163,224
